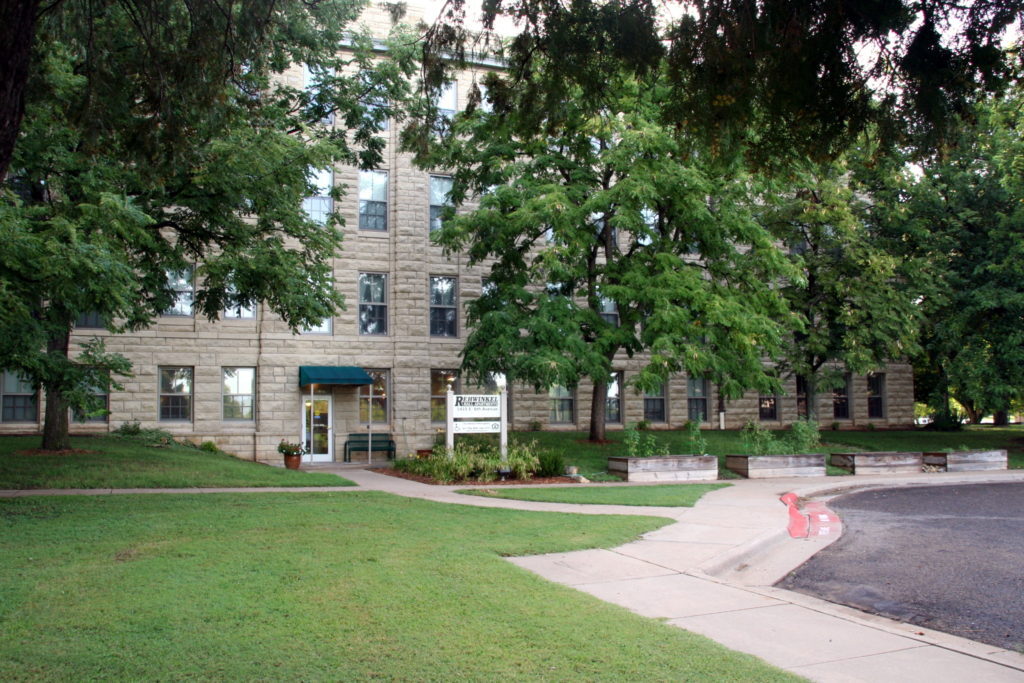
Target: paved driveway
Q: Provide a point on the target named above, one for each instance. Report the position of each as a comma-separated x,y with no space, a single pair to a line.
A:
949,558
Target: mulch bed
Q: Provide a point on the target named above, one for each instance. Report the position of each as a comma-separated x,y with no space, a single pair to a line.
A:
469,482
66,451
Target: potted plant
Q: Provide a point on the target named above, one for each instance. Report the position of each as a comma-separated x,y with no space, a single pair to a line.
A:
292,453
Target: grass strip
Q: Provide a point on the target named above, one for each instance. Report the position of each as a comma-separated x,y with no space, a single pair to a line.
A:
113,462
319,586
659,495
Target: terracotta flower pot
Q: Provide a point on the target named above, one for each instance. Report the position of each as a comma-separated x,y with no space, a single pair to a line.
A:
292,462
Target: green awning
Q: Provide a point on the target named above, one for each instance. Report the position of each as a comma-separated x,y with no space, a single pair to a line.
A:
333,374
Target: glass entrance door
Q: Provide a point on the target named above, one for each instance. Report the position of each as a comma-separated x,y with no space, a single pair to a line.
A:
319,442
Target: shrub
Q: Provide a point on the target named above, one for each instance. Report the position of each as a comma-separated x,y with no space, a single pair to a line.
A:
757,439
147,437
209,447
643,425
472,460
128,429
535,426
804,436
641,446
695,437
550,464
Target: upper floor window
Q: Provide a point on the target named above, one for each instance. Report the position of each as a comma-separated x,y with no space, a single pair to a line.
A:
319,206
373,200
233,309
326,326
444,306
373,303
609,311
18,399
447,101
312,78
440,197
180,282
376,110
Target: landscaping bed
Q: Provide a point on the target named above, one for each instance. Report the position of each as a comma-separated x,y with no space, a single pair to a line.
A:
391,472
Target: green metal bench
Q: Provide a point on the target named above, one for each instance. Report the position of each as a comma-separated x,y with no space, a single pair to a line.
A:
360,442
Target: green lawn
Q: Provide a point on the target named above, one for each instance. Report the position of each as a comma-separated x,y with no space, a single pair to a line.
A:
592,458
663,495
319,586
126,463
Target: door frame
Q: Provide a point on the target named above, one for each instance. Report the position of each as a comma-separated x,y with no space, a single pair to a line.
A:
304,410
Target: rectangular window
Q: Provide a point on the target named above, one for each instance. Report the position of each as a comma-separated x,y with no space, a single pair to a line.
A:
18,402
180,282
380,398
563,408
237,311
650,220
373,200
326,326
92,320
377,111
697,399
444,306
175,393
767,408
609,311
99,414
440,197
802,407
320,205
373,303
238,393
613,402
841,400
447,102
440,382
654,405
876,395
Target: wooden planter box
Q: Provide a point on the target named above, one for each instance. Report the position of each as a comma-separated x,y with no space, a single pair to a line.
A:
879,463
966,461
665,468
769,466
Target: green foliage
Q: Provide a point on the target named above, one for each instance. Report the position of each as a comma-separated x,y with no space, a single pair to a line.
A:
550,464
643,425
641,445
757,440
144,152
147,437
474,460
695,438
599,220
209,447
804,436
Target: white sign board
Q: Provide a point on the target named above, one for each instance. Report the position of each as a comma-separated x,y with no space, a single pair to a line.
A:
484,427
476,405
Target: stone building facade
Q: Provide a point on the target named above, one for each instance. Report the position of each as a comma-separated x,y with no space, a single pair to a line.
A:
236,381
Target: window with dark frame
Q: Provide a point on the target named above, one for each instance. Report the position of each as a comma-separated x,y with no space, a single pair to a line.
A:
175,393
876,395
444,306
92,320
841,400
19,401
697,399
562,405
767,407
802,406
319,206
180,282
609,311
440,199
613,402
373,200
101,414
373,303
654,405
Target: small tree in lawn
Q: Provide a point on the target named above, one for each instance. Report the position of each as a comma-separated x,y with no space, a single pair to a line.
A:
158,141
606,231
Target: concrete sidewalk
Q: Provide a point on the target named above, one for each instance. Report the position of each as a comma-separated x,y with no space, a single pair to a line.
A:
711,572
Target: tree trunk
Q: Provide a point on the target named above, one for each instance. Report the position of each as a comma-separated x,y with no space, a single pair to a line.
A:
17,29
55,423
1001,418
597,412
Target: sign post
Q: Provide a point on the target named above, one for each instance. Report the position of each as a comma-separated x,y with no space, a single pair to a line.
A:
475,414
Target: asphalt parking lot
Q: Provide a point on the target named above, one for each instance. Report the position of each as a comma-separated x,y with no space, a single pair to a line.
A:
950,558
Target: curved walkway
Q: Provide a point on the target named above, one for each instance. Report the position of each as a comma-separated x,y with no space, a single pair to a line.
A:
712,571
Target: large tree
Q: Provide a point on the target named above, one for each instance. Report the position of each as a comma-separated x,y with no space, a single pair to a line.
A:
961,217
857,306
159,139
607,233
807,75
